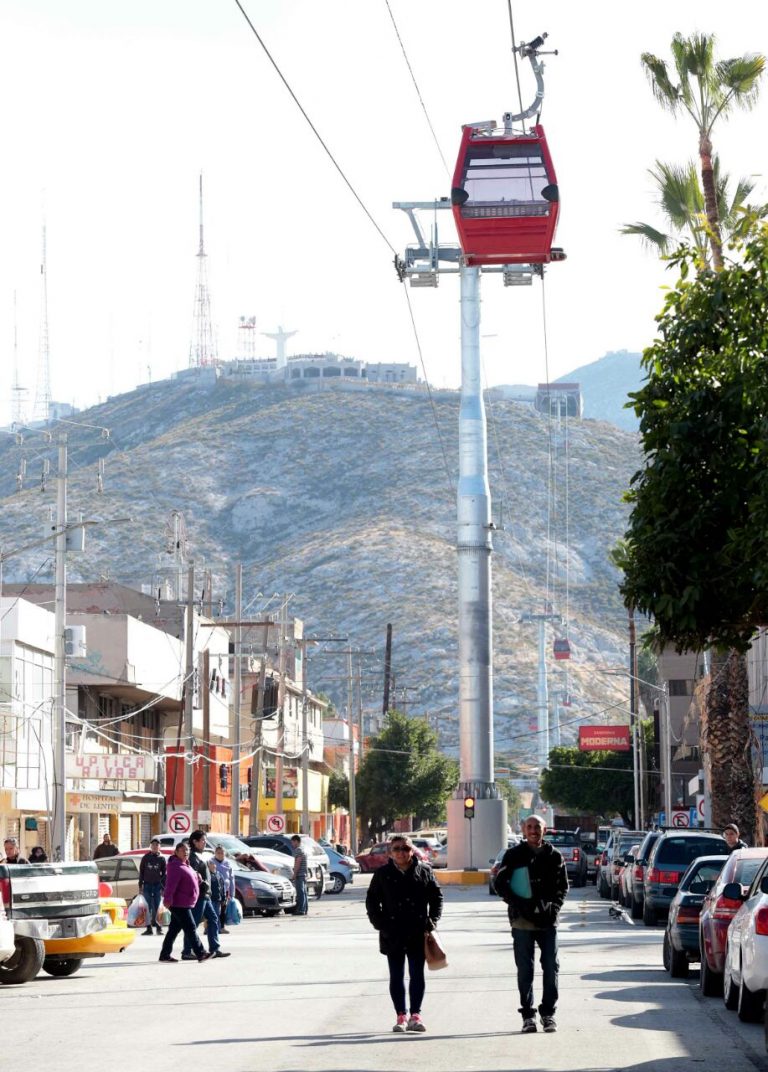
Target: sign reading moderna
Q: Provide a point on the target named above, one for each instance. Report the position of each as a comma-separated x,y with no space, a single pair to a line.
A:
603,738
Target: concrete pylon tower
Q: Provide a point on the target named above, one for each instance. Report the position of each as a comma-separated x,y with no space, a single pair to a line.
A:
202,350
280,337
42,407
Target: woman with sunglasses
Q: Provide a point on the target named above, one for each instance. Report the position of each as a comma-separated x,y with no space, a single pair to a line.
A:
404,902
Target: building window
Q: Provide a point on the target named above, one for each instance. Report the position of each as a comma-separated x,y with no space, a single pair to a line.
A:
679,687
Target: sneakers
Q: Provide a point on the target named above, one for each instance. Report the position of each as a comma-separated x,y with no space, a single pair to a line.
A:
402,1023
529,1026
548,1023
148,931
168,960
415,1023
220,953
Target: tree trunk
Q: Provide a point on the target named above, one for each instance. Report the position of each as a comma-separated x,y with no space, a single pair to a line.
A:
710,199
727,738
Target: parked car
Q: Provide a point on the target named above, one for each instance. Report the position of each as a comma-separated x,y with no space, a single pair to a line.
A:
495,865
619,843
681,937
430,847
589,848
343,869
625,872
440,858
7,942
718,911
375,856
568,843
745,969
318,865
673,852
634,879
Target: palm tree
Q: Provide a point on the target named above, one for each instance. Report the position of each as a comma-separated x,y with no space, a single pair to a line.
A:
706,89
681,201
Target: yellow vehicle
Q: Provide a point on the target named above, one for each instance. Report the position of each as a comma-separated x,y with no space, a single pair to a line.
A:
64,956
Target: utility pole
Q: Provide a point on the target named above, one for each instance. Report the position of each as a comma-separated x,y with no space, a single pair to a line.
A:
387,669
206,794
304,741
633,719
253,820
235,779
60,611
352,757
189,688
280,708
542,694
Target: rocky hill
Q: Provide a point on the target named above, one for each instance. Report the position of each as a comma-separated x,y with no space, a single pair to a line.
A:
605,386
343,498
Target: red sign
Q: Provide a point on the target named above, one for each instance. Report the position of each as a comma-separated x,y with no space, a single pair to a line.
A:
603,738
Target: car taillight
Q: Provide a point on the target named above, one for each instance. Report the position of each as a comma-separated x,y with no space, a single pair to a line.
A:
761,920
688,913
5,891
638,872
576,855
654,875
725,908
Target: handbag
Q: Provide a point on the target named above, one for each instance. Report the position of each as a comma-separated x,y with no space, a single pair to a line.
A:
434,954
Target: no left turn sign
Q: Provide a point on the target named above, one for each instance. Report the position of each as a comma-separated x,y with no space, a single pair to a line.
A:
276,824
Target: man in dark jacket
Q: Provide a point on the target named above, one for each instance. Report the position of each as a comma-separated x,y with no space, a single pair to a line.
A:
151,883
404,903
204,907
533,881
731,835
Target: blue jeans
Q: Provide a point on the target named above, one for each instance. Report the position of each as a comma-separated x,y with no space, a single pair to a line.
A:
416,984
205,908
152,893
525,943
301,895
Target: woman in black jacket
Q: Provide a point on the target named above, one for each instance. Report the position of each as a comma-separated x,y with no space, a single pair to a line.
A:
404,902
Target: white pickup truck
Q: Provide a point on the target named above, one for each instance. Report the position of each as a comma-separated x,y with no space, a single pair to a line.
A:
44,902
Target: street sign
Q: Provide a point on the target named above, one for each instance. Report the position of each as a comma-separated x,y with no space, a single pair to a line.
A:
276,824
700,807
681,818
180,822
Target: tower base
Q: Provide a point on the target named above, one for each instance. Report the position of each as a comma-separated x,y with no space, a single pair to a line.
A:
472,843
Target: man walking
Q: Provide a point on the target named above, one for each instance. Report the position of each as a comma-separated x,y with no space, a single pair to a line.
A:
299,875
151,883
105,849
533,881
203,906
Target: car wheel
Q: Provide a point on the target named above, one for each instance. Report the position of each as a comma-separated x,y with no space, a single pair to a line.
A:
649,916
26,962
339,882
59,969
604,891
711,983
665,959
730,993
636,909
678,962
319,889
750,1004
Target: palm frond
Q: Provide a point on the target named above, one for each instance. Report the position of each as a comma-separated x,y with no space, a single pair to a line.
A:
651,237
740,77
665,92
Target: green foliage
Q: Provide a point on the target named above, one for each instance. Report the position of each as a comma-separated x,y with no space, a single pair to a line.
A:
695,557
579,781
338,790
403,774
512,796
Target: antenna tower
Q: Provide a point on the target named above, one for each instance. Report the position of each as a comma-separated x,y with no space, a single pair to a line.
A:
202,350
42,408
18,393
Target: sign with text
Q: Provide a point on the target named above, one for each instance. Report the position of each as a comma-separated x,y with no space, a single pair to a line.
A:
603,738
119,768
103,803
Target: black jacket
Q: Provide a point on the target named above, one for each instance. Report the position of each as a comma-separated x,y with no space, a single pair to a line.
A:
549,884
197,863
152,870
403,905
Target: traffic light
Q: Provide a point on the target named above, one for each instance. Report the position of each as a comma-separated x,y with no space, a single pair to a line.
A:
469,807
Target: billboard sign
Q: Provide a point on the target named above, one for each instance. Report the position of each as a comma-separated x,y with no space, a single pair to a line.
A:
603,738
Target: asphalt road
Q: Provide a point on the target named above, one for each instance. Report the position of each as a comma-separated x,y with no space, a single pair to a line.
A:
310,995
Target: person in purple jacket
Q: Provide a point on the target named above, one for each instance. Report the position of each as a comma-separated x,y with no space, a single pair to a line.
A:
182,886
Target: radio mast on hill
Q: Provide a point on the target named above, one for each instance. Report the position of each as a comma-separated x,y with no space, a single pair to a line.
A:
42,407
18,393
202,349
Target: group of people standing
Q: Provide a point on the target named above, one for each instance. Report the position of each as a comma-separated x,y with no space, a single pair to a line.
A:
12,853
404,903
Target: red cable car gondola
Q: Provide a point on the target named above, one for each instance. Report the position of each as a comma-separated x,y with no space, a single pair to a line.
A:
505,197
561,648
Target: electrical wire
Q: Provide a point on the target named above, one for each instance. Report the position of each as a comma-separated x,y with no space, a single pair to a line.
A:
514,53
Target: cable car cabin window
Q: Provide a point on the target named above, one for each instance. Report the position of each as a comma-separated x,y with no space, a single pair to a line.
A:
505,180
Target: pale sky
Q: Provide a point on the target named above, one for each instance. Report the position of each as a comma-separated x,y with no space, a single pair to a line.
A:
111,109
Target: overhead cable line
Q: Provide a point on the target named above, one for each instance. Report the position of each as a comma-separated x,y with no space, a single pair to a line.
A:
312,127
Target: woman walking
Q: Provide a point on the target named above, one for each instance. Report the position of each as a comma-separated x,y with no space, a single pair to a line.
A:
182,886
404,902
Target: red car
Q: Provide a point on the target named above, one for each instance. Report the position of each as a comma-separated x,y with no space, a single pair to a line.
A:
717,913
376,856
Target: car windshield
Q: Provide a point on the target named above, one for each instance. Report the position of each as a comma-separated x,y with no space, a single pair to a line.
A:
682,850
228,842
560,837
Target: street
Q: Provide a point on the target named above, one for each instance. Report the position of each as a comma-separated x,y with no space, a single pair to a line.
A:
310,994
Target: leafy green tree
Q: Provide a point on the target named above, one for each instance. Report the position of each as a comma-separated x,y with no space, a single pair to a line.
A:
338,790
595,783
403,774
707,89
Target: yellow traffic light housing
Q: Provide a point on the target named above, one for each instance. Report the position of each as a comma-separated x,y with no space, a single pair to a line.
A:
469,807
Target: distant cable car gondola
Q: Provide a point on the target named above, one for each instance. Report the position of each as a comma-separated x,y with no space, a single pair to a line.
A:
562,649
505,197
